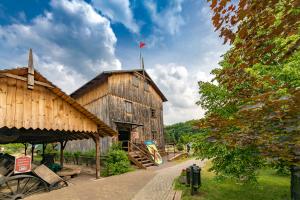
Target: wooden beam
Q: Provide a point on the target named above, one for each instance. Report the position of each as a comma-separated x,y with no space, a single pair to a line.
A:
22,78
30,75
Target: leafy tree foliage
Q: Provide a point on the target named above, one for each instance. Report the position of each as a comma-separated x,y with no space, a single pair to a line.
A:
253,104
180,132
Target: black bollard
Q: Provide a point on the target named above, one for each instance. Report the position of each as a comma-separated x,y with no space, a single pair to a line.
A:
195,179
295,183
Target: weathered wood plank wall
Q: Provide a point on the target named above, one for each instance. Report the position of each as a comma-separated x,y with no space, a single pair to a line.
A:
122,88
95,101
38,108
107,101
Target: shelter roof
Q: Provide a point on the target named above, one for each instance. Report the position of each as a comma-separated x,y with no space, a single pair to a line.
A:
27,134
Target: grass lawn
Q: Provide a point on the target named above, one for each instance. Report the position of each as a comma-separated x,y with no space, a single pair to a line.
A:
270,187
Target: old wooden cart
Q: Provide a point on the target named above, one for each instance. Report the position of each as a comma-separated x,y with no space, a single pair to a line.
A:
18,186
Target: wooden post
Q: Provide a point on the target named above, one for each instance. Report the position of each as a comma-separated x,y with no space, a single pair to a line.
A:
96,139
62,147
30,76
44,148
25,148
32,152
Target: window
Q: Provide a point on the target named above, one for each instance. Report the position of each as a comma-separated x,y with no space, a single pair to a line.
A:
135,81
153,113
146,86
128,107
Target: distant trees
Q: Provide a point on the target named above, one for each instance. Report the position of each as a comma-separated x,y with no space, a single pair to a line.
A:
253,103
181,132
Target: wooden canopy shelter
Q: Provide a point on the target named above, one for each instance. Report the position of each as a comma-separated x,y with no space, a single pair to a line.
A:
33,110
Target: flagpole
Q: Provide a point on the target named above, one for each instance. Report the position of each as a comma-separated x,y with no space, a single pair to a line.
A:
142,60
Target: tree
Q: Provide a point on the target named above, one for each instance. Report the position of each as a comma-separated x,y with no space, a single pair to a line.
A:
253,104
179,132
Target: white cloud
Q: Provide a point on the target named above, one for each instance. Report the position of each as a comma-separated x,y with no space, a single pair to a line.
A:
169,19
71,42
181,89
117,11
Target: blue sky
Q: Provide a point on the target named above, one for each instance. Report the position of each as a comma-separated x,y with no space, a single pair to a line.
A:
73,40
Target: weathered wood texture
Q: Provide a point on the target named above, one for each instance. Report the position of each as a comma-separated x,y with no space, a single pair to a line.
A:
89,144
94,94
122,85
108,100
122,88
39,108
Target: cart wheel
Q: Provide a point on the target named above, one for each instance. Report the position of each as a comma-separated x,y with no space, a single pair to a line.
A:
21,186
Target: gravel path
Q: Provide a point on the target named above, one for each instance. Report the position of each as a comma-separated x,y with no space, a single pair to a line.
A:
150,184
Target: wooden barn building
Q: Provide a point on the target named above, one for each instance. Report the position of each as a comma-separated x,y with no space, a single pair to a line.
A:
129,102
33,110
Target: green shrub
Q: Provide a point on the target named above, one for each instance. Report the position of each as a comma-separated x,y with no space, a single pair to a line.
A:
117,162
116,146
13,148
89,154
179,147
68,154
52,149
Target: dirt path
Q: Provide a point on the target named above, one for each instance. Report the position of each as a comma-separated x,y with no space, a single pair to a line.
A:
152,184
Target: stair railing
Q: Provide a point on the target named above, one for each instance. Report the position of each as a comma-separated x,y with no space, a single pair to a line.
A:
144,152
151,156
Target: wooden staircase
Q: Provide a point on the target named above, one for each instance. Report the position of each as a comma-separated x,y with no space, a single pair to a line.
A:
139,156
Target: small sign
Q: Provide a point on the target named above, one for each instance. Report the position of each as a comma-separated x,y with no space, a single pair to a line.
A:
22,164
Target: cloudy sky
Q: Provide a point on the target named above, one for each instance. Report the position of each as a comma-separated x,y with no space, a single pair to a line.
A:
74,40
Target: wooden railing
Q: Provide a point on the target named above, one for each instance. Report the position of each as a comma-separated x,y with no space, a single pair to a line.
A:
142,148
133,147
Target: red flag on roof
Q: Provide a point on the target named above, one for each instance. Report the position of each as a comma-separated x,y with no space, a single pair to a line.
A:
142,44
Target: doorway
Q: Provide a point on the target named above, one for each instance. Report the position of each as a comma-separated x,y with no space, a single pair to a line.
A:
124,138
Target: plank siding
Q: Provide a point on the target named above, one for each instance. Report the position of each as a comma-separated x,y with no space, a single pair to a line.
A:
38,108
107,101
11,103
3,104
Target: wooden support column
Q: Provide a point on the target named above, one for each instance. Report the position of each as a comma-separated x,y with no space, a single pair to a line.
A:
62,147
25,148
96,139
44,148
32,152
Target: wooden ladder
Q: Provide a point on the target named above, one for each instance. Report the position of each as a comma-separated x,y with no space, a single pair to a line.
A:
139,157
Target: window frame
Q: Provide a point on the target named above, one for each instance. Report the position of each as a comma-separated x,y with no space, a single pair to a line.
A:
128,111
